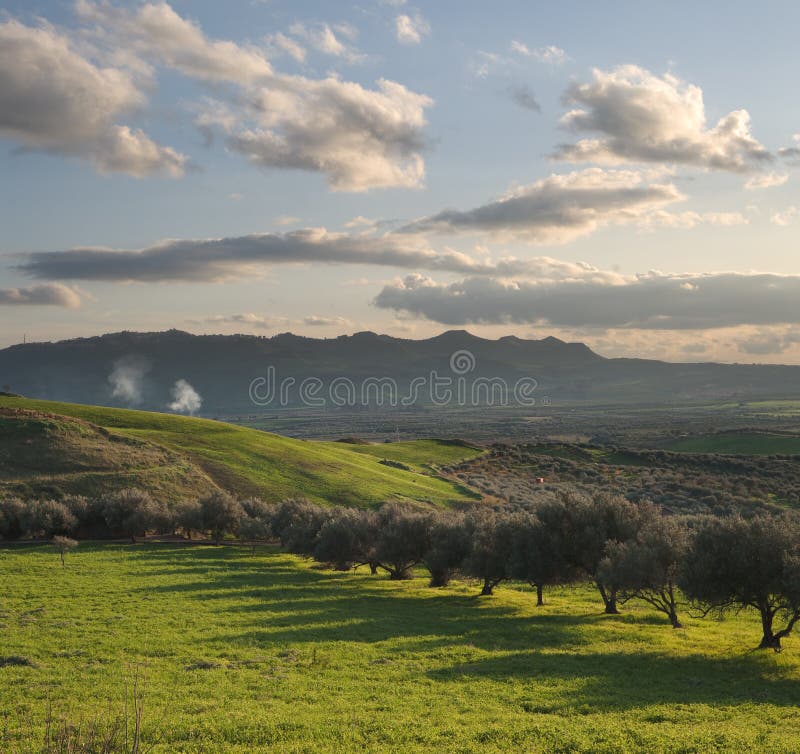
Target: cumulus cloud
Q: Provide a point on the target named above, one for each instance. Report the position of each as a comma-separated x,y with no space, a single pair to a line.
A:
525,98
791,154
765,180
53,98
766,342
410,29
52,294
559,208
654,301
157,32
786,217
550,54
360,138
641,117
323,38
281,44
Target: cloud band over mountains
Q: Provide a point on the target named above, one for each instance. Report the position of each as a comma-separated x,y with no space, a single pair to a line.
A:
655,301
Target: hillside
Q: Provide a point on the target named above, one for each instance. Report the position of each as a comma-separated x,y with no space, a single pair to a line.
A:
139,370
89,449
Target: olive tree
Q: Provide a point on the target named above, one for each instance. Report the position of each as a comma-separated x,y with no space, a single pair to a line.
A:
539,549
734,563
63,545
12,515
348,539
46,518
403,539
448,546
491,542
592,524
221,514
296,522
647,567
134,512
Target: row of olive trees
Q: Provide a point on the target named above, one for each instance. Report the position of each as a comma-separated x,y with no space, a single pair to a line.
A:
629,551
127,513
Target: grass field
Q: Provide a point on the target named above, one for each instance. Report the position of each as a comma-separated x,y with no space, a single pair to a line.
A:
738,443
262,653
250,462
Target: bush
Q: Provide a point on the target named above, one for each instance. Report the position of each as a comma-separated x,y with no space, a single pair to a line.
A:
296,523
403,539
448,547
12,514
348,539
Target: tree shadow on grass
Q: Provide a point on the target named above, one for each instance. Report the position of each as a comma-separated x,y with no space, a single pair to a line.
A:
616,681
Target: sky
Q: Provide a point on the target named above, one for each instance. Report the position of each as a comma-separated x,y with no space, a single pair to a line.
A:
624,174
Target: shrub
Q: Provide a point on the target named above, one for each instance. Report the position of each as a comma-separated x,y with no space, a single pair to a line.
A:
221,514
45,518
134,512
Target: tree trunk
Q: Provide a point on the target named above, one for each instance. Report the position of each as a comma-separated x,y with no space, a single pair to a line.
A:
399,574
673,619
609,599
539,595
373,567
63,564
440,577
488,588
768,638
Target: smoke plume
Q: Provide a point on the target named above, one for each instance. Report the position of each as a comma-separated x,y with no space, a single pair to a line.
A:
127,379
186,400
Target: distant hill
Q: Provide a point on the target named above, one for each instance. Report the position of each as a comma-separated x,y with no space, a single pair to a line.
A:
48,448
140,369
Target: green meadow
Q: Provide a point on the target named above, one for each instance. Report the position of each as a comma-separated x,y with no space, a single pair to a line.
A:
176,456
243,652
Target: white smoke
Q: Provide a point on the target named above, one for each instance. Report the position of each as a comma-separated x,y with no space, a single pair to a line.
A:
127,378
186,400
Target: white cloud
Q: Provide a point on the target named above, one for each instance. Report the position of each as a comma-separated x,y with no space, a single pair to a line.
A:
410,29
653,301
359,138
550,54
51,294
786,217
315,320
641,117
765,180
282,44
324,40
689,219
55,99
559,208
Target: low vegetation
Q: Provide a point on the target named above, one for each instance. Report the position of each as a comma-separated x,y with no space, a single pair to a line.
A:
251,653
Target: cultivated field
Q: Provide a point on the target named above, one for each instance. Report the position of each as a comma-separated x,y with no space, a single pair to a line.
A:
241,652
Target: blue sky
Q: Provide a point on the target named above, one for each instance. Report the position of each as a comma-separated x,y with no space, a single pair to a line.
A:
659,219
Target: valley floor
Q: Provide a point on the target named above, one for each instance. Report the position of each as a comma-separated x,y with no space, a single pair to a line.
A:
240,652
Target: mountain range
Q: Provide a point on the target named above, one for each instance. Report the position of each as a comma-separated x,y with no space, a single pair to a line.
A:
158,370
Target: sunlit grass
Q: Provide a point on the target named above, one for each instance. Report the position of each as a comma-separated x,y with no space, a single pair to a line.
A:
265,652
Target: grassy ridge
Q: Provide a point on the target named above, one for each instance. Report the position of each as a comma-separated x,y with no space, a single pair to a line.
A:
251,462
248,654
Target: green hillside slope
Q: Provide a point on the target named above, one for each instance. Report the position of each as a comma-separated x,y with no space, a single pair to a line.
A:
174,455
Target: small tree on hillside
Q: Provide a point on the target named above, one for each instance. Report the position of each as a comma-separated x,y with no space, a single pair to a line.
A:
449,546
63,545
734,563
647,567
134,512
221,514
403,539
